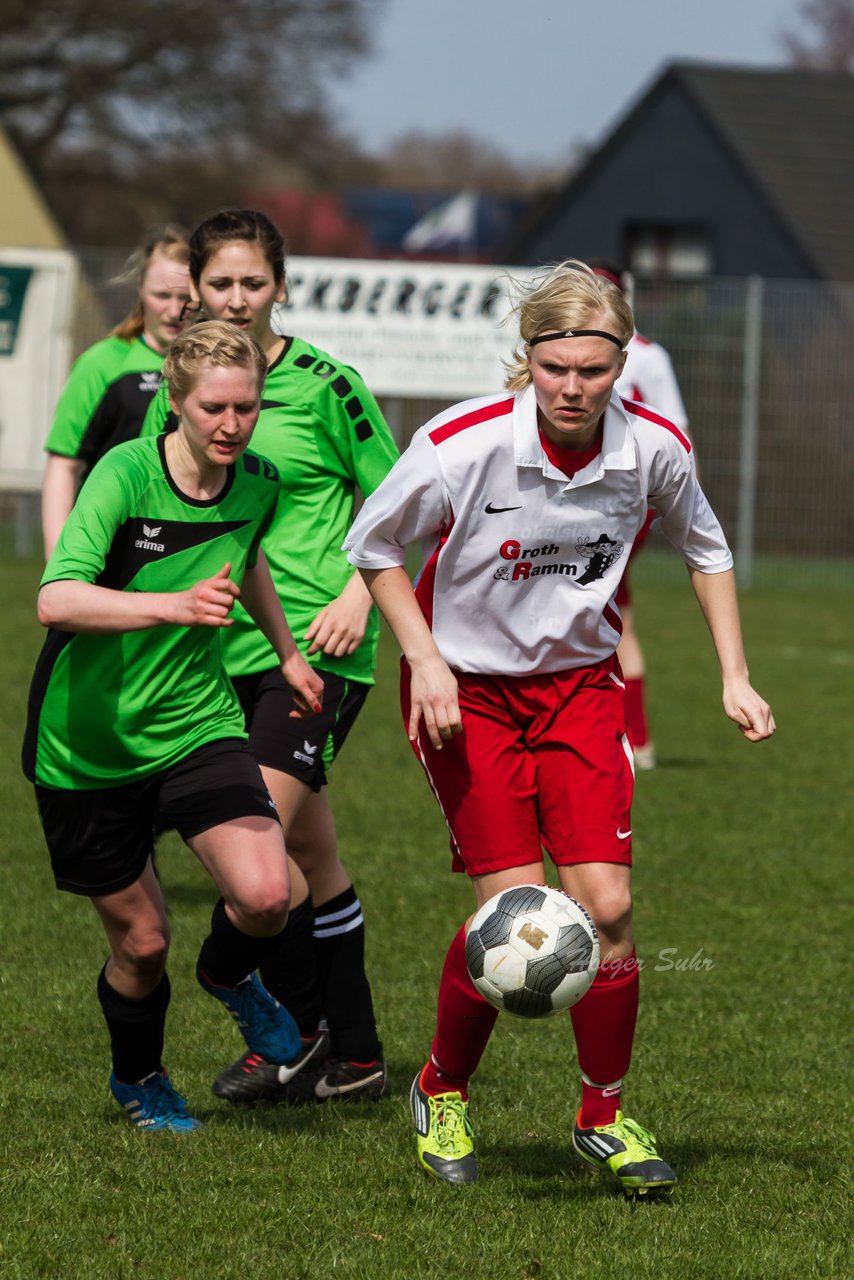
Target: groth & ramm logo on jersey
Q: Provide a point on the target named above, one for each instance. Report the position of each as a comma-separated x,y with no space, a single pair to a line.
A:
600,555
146,542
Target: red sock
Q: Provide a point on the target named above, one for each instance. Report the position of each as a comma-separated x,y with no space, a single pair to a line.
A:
636,712
464,1022
604,1026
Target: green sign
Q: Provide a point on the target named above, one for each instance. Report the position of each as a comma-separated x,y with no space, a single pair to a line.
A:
13,290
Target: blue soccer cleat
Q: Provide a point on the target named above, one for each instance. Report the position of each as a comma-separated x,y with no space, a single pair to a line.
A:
266,1025
152,1103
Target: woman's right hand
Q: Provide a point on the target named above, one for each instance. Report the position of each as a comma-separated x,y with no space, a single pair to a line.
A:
208,603
434,695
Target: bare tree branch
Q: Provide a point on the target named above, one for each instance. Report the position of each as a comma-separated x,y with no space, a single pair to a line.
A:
828,43
96,86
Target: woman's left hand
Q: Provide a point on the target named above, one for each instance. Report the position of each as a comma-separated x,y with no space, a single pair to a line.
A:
339,628
305,685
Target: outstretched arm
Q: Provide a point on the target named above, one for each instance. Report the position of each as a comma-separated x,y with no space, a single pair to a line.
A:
716,595
434,689
70,604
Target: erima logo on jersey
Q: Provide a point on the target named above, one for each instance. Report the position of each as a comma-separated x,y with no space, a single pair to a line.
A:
149,381
146,543
307,755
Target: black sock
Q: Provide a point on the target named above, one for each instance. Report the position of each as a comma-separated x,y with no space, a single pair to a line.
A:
228,955
339,942
136,1028
290,973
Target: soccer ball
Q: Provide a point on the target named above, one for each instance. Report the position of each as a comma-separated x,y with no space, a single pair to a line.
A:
532,951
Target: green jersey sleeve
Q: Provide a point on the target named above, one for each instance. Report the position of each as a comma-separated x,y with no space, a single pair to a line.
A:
105,399
107,708
325,433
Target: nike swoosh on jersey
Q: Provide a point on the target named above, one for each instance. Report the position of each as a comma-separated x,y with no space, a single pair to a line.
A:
623,835
495,511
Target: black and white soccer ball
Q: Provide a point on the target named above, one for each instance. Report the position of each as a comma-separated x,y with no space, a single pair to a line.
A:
532,951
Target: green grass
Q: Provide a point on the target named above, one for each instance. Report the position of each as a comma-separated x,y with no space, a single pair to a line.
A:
741,1065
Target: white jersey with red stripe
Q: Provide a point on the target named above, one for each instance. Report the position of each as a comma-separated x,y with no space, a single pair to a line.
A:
648,378
520,563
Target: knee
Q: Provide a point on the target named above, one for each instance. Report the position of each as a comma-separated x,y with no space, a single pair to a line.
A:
144,952
611,909
264,912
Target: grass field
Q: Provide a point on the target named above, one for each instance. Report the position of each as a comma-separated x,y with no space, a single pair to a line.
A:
741,1066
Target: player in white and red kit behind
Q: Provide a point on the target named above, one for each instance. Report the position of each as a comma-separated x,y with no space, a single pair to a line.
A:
647,378
527,504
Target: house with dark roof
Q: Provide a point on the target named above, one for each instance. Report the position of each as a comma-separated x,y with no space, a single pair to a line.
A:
715,171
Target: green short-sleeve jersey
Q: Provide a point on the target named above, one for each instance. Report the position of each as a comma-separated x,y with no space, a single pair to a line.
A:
107,709
323,430
105,400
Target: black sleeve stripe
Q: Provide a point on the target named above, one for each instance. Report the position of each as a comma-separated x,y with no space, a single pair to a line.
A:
363,430
341,386
304,362
354,408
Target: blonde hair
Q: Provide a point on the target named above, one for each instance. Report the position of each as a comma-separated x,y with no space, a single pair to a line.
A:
212,342
173,243
570,296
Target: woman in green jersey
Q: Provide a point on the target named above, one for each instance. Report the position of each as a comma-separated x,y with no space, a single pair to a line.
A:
131,712
323,430
111,385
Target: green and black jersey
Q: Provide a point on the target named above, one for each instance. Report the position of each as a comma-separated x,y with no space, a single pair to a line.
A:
108,709
324,431
107,395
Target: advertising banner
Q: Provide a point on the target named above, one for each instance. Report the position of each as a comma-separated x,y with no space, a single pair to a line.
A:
37,289
423,329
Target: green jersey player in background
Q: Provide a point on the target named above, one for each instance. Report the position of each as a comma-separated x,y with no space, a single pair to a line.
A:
323,430
112,384
131,712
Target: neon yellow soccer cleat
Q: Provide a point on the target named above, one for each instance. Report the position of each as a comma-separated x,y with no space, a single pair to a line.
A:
627,1152
444,1134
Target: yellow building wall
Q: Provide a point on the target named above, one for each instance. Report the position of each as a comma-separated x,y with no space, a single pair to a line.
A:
25,220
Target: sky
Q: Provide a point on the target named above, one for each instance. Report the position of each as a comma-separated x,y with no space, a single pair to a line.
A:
539,78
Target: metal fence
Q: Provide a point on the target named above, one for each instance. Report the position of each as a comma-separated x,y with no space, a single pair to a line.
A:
766,369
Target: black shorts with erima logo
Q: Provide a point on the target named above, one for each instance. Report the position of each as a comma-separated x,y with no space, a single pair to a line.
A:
100,840
304,748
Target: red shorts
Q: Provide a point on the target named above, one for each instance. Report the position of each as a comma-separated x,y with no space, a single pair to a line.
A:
623,594
543,762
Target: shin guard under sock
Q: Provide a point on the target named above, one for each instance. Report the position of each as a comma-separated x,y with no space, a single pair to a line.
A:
345,993
136,1028
604,1025
228,955
290,972
464,1022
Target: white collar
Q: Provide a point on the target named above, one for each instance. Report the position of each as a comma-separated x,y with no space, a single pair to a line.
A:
617,453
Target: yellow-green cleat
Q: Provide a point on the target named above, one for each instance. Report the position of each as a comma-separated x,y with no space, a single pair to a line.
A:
444,1134
626,1151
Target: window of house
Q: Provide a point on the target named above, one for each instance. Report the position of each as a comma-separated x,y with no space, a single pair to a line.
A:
668,251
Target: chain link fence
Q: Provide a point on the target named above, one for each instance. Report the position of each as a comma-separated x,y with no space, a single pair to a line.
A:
766,369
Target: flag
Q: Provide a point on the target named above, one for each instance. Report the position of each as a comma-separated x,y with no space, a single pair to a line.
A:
449,225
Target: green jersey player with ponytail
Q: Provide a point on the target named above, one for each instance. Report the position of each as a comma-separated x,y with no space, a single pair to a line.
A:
324,432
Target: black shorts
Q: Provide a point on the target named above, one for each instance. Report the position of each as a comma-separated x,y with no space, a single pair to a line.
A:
100,840
303,748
